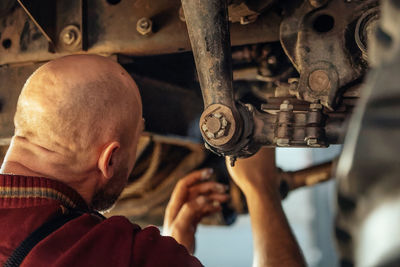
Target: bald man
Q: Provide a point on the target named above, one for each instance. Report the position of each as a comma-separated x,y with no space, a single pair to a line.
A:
77,126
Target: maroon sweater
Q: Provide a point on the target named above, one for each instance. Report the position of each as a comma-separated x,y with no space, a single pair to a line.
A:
27,202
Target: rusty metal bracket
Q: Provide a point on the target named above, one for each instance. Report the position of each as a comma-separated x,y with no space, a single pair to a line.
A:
61,22
320,40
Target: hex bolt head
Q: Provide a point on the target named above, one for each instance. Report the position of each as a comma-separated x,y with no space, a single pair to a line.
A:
214,126
144,26
286,106
313,142
220,133
282,142
224,122
70,36
210,135
319,81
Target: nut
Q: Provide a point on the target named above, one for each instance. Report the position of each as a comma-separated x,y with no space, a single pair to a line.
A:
215,125
144,26
210,135
282,142
313,142
286,106
217,117
70,36
319,81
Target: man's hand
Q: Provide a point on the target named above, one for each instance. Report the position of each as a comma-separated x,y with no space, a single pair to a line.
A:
257,173
274,243
193,198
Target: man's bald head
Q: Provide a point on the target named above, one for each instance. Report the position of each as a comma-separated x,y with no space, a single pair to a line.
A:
76,104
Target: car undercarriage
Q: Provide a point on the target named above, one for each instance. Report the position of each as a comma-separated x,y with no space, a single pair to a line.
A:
235,75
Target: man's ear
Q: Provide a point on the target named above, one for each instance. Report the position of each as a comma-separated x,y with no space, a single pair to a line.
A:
106,160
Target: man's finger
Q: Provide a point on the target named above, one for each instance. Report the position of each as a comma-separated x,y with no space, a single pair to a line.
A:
219,197
206,188
195,177
192,212
181,192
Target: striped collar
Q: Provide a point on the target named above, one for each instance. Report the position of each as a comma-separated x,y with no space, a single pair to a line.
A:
24,191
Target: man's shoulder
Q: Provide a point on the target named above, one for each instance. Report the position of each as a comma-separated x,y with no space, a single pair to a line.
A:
150,246
119,222
91,241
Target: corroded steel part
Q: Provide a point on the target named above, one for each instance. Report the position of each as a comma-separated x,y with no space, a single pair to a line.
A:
208,28
306,177
218,125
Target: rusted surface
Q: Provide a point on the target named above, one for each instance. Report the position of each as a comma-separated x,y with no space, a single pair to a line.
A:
111,29
207,24
214,124
144,26
321,40
319,81
305,177
70,38
60,22
365,28
210,125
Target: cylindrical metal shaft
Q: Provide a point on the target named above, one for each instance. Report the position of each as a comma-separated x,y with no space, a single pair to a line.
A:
208,27
305,177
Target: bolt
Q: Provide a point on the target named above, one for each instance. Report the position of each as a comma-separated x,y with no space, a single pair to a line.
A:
313,142
286,106
282,142
70,35
220,133
319,81
210,135
214,126
144,26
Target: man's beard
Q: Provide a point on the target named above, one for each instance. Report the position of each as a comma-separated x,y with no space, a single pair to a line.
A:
105,197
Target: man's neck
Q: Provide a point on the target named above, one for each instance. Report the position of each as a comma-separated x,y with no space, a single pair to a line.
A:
16,168
26,159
